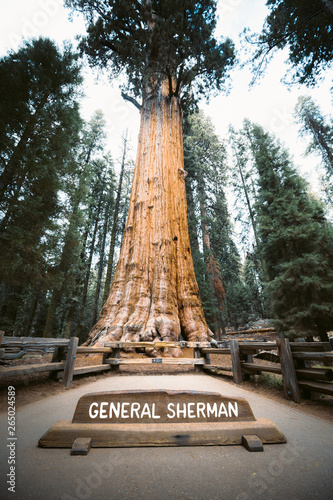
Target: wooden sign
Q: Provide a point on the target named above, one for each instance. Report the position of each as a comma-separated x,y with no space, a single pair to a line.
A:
160,406
160,418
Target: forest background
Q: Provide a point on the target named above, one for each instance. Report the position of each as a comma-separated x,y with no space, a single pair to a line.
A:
62,218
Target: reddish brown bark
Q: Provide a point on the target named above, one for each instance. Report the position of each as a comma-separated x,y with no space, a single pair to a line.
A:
154,293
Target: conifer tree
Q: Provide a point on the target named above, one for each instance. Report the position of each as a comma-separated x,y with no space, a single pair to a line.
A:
108,208
296,242
39,129
243,176
243,184
204,160
225,299
99,200
237,304
39,86
70,266
316,126
114,228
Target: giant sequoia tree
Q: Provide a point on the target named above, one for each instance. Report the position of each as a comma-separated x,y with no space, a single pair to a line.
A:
169,54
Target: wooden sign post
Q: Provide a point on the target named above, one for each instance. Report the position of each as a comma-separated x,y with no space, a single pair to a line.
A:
160,418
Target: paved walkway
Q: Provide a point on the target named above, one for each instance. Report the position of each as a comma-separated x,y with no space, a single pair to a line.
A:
300,469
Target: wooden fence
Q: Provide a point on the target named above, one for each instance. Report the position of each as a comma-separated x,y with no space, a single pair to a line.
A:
62,365
299,377
295,360
65,351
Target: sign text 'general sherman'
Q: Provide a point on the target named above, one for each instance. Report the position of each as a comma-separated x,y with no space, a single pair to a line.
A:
160,406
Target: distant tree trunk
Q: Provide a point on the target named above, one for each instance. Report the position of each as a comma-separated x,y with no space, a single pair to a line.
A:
91,252
204,226
51,314
191,217
211,263
29,317
247,197
75,306
100,266
114,226
154,291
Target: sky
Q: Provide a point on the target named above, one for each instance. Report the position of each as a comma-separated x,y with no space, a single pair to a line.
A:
269,103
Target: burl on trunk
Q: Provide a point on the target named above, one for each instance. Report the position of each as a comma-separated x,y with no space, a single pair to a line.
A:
154,293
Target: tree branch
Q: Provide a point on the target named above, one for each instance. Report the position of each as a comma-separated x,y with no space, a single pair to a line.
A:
179,80
169,80
131,99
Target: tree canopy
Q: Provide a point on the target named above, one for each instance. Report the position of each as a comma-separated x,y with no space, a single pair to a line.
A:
305,28
155,40
39,130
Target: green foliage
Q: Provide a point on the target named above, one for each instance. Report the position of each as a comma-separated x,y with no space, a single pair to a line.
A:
243,175
255,285
270,380
243,180
210,227
39,128
305,28
56,194
296,242
37,79
204,156
314,125
87,197
236,303
154,40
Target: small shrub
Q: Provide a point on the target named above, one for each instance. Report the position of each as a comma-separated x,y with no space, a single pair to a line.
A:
270,380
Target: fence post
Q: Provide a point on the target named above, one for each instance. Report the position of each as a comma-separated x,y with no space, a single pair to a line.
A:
57,356
235,359
196,351
70,362
206,356
290,384
115,353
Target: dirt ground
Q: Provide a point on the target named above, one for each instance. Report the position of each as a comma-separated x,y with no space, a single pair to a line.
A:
38,386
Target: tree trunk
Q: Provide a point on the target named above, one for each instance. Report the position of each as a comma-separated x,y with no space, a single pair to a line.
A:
247,197
51,314
91,252
100,266
29,317
192,217
154,291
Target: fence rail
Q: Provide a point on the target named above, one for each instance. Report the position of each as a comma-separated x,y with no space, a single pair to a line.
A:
300,378
295,360
63,361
